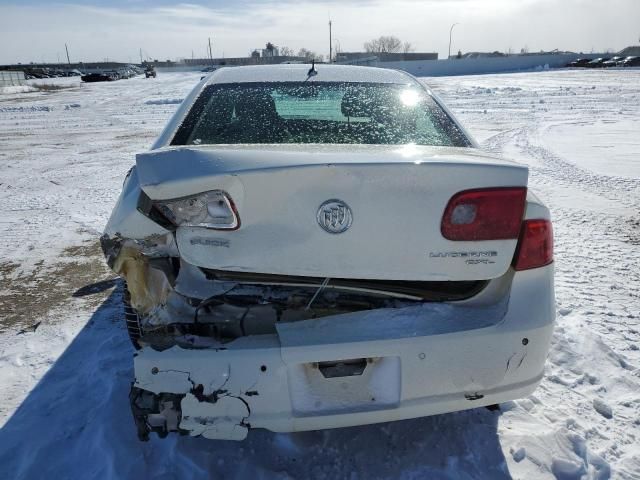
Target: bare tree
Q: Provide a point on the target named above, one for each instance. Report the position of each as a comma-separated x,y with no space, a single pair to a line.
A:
407,47
287,52
337,49
383,44
309,55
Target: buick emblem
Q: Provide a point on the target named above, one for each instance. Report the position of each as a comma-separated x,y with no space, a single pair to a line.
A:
334,216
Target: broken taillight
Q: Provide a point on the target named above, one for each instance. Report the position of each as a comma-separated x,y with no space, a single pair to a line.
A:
213,209
535,246
484,214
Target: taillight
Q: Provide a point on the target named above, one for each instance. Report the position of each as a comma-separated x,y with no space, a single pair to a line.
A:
535,246
214,210
484,214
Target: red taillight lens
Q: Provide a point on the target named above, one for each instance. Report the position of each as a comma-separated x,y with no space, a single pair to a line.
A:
535,246
487,214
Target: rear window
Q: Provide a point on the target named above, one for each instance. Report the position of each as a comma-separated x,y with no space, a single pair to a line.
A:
310,112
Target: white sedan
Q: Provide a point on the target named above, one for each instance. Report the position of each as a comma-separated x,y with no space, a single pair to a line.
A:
308,248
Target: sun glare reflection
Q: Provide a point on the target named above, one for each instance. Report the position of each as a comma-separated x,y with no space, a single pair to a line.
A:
409,98
409,150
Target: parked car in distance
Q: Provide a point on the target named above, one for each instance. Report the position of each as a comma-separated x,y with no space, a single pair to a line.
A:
150,71
596,63
108,76
308,248
38,72
580,62
125,73
631,62
613,62
135,70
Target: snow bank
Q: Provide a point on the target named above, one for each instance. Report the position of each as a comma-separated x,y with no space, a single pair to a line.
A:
17,89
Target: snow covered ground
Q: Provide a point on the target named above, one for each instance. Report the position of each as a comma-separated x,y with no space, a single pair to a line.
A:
64,386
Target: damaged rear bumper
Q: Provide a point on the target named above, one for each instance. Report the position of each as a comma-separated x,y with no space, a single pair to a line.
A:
352,369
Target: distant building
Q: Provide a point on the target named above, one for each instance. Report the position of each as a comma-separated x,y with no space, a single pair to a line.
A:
270,51
365,58
254,59
268,55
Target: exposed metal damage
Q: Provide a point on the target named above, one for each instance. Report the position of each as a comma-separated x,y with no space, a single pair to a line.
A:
223,419
194,374
216,415
180,304
141,265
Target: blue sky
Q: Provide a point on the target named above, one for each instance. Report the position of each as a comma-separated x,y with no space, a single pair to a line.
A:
35,30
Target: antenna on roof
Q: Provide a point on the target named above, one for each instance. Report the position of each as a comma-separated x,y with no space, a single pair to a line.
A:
312,71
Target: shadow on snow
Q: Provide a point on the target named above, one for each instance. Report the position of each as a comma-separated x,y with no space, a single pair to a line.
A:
76,423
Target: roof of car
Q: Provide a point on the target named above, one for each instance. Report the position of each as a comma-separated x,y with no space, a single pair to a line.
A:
299,73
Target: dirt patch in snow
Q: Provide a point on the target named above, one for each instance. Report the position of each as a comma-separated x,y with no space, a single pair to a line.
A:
633,237
26,296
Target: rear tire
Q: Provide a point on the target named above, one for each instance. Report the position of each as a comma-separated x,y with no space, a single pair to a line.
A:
132,319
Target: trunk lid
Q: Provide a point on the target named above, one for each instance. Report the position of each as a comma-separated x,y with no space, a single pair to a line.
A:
396,195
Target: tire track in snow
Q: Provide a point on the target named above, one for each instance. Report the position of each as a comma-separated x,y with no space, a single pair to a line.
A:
620,189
